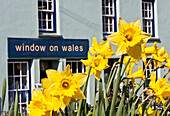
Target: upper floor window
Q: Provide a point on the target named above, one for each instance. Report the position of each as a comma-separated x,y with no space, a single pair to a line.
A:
148,16
46,15
109,16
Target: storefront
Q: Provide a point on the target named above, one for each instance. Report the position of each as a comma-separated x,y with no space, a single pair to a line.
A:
29,58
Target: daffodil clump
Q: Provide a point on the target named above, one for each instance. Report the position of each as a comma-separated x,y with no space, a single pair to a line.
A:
59,89
120,95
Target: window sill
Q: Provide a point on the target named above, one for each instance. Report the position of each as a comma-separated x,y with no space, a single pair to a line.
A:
50,36
152,39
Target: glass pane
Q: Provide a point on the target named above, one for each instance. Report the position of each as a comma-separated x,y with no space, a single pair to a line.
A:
11,83
79,67
39,4
11,97
17,68
17,79
107,11
106,2
142,6
149,6
23,97
44,15
111,3
146,14
40,24
145,6
24,68
24,83
24,109
103,10
74,67
111,11
102,2
45,5
49,5
39,15
49,16
149,14
111,28
49,25
10,69
150,30
44,24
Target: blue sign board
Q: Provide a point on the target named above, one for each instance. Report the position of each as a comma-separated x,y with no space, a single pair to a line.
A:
42,47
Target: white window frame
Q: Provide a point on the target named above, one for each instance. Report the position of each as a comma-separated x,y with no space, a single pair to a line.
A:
108,18
46,11
147,16
75,61
26,91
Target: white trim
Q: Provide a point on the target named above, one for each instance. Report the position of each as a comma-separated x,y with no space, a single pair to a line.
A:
47,12
21,90
108,15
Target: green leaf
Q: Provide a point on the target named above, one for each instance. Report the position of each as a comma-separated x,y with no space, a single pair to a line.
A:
11,109
16,102
3,93
115,90
84,92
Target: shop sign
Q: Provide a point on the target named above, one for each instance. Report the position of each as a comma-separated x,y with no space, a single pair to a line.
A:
42,47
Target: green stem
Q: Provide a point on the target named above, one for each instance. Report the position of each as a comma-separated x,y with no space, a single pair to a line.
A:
110,81
165,109
121,105
115,91
84,92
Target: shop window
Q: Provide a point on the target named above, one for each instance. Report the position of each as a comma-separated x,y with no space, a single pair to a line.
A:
47,64
148,16
109,16
76,66
18,72
46,15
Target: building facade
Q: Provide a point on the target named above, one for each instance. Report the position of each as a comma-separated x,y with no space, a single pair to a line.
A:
34,32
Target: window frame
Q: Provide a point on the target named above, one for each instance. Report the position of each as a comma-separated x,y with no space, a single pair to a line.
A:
148,19
75,61
21,90
109,16
47,11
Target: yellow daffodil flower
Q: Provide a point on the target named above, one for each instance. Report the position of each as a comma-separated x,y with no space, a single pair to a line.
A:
43,103
98,63
138,74
65,85
129,38
104,48
168,63
160,88
150,112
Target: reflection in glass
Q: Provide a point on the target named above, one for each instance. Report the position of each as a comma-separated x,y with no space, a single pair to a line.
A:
10,69
17,68
24,68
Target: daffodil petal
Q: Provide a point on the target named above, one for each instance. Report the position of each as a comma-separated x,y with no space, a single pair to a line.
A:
46,83
80,78
95,44
79,94
121,48
135,51
97,75
65,102
53,75
67,72
122,24
145,37
137,23
114,38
